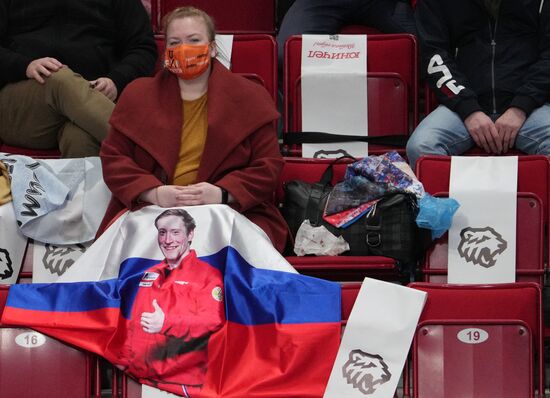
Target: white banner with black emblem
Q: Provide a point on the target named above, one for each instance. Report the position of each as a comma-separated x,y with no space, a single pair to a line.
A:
224,44
12,246
334,91
482,238
52,261
376,341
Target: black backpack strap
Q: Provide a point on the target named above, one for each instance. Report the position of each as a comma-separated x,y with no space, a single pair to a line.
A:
291,138
318,191
326,178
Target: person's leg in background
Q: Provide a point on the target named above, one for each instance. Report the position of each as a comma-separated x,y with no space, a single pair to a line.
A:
282,8
388,16
442,132
534,136
89,110
329,16
33,115
25,119
312,17
76,143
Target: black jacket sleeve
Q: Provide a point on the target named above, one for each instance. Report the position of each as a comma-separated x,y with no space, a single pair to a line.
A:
118,43
134,42
13,66
437,60
536,89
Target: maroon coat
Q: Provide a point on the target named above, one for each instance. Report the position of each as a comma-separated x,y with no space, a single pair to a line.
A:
241,152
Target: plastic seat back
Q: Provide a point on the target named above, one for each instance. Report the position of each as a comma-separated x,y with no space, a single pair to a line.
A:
387,108
482,359
386,53
507,302
529,245
33,365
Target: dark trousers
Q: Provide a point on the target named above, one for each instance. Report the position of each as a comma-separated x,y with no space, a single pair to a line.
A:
62,113
329,16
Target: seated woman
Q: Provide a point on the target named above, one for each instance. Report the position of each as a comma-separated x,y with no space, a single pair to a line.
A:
195,134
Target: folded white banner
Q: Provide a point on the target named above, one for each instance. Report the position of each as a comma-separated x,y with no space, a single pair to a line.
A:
225,49
334,91
482,238
12,246
59,201
376,341
51,261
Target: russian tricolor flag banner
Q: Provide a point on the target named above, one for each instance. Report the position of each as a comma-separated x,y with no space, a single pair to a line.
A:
194,301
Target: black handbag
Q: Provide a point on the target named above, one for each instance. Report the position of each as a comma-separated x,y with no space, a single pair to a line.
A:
389,230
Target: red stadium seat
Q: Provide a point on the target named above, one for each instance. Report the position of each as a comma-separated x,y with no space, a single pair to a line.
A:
529,245
35,153
430,100
492,370
350,291
533,176
447,367
340,268
25,275
130,387
33,365
161,43
236,16
254,56
387,107
387,53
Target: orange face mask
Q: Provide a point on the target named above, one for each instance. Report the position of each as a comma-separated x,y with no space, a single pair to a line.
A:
187,61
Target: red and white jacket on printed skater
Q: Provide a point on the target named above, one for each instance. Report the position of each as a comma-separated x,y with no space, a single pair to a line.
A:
191,297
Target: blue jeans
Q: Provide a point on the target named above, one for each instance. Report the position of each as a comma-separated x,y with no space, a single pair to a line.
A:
443,132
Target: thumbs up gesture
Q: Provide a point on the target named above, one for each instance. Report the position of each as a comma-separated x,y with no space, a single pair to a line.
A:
152,322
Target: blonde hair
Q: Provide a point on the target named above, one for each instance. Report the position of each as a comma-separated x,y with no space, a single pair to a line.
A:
190,12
